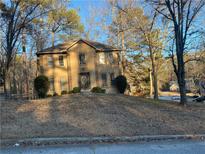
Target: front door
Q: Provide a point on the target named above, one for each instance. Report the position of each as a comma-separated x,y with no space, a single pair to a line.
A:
84,80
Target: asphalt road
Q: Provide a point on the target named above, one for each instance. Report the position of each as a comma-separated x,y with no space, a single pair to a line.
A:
185,147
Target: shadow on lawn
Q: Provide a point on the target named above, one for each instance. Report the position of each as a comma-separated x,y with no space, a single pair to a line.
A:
95,115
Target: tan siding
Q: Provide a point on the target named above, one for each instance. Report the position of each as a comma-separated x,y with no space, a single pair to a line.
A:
71,69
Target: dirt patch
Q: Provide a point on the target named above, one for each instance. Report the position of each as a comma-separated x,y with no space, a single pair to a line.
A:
98,115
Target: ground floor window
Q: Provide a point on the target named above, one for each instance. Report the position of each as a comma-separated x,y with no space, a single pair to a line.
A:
51,80
41,70
63,84
112,76
104,79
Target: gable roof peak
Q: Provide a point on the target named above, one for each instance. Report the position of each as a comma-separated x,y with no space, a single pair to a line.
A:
63,47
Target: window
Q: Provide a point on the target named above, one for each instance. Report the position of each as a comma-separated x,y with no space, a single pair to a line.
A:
111,59
102,58
61,61
82,58
118,59
104,79
63,84
50,61
51,80
41,69
38,61
112,76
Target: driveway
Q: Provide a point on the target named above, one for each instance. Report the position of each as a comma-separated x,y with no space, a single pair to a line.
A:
185,147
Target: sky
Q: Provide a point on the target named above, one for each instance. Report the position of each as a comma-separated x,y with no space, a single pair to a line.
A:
83,7
84,10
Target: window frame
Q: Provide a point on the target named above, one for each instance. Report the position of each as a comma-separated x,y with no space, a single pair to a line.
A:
61,61
112,75
79,57
104,80
63,84
51,84
50,61
41,69
101,56
111,58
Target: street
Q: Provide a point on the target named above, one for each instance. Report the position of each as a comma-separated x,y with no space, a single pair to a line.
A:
168,147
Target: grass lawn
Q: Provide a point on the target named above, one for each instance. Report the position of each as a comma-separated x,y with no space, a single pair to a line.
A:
98,115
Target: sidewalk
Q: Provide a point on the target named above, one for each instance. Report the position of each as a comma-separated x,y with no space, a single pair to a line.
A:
97,140
168,147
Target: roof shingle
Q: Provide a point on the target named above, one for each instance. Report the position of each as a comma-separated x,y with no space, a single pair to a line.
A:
61,48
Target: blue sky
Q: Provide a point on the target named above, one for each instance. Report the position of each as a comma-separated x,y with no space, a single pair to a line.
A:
83,6
83,9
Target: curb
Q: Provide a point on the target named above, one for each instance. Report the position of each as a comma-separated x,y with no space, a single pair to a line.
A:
95,140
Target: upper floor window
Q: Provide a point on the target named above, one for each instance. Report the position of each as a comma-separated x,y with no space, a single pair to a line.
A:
102,58
82,58
50,61
111,58
61,61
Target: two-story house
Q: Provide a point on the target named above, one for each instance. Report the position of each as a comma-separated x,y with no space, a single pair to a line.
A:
79,63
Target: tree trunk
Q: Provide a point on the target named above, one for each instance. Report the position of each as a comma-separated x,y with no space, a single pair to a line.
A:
155,83
180,72
53,38
123,53
181,80
154,74
5,80
151,84
5,89
14,78
182,90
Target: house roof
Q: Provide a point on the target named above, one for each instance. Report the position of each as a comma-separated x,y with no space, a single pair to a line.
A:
62,48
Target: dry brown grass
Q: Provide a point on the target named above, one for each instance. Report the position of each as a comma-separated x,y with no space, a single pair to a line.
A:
98,115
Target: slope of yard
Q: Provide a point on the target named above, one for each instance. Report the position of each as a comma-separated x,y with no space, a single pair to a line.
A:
98,115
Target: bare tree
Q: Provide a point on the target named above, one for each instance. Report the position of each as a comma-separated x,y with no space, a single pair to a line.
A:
149,37
182,14
16,16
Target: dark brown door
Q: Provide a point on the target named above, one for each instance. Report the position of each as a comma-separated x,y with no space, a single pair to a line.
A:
84,80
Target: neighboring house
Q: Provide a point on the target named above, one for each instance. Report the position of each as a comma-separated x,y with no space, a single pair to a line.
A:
174,86
202,87
191,86
79,63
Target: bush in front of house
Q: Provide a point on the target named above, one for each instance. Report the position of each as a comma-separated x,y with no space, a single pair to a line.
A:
49,95
55,94
120,82
70,92
41,85
75,90
64,92
97,90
